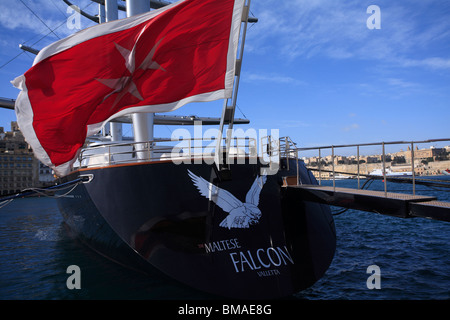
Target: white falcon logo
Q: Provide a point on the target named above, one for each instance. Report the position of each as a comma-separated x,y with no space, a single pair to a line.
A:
241,215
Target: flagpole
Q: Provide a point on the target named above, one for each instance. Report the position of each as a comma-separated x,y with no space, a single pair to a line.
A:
112,13
101,19
229,111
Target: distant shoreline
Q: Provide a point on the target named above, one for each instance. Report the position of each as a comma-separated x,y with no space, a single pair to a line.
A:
434,168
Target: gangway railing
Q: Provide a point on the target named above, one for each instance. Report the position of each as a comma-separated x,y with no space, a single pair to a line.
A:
401,205
383,145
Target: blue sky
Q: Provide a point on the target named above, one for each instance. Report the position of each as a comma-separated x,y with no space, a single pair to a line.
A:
312,69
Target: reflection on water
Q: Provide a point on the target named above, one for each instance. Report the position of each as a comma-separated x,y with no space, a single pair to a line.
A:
36,249
413,255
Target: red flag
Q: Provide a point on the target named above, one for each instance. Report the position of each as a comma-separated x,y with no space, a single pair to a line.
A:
154,62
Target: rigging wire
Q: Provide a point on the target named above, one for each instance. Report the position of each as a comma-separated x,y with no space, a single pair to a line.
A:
6,202
44,192
241,111
339,212
47,192
253,24
3,65
28,55
39,18
51,31
54,4
20,53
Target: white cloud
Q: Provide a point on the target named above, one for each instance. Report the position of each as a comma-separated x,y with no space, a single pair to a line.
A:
353,126
337,30
395,82
16,17
12,19
272,78
294,124
302,28
433,62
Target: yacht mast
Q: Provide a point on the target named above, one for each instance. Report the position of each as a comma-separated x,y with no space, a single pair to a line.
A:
142,122
112,13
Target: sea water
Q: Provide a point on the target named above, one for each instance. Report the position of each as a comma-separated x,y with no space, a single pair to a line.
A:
412,257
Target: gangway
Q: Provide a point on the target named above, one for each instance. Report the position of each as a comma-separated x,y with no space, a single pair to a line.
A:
393,204
383,202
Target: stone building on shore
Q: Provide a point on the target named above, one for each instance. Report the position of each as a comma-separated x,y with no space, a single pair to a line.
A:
19,169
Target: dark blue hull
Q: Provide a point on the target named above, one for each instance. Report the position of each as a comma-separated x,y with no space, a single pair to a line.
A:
244,237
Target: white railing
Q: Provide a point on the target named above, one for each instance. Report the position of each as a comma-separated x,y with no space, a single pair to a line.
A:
106,154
